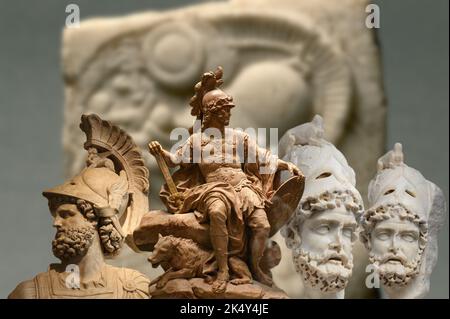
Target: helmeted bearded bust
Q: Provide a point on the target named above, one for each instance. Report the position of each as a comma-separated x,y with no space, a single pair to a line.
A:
322,231
400,227
94,213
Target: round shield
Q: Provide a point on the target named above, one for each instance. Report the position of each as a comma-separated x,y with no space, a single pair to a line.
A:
284,202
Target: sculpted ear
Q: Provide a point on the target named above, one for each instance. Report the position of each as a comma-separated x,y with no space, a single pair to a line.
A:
290,236
160,236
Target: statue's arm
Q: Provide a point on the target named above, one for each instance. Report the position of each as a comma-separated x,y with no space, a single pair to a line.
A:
288,166
171,159
254,151
182,156
24,290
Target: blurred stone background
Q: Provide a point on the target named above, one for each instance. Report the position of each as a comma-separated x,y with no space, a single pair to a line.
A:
414,44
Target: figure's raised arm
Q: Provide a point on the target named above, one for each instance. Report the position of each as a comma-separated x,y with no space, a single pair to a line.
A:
156,150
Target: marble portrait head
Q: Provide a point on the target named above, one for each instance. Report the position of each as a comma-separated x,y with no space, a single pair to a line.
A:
400,226
323,229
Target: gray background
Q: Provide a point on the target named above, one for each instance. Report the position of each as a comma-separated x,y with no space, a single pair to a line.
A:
414,40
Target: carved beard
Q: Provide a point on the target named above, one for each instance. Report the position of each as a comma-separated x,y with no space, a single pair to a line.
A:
327,277
398,274
72,242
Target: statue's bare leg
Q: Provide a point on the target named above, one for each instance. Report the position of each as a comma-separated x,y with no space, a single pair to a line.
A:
260,229
219,240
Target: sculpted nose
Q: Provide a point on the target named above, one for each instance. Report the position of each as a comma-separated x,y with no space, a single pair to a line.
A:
336,242
57,223
393,248
336,245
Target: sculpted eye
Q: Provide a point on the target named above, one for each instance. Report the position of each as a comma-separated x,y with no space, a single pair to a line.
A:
322,229
383,235
324,175
65,214
409,237
389,191
410,193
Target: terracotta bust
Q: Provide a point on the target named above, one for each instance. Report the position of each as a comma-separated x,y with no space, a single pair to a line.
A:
93,213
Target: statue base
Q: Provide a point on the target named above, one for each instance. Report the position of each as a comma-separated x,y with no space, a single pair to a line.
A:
197,288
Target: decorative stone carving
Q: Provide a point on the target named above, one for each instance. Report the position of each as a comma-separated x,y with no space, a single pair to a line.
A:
302,56
223,204
322,231
94,212
400,227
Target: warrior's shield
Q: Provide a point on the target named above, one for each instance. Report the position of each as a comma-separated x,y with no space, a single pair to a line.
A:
284,202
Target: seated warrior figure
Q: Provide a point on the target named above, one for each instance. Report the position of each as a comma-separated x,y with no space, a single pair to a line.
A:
322,231
400,228
225,186
93,213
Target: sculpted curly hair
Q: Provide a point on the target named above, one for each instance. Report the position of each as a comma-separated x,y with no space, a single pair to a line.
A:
109,236
111,240
375,215
315,204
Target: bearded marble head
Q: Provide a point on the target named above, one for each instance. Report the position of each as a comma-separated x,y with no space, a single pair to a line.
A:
400,227
323,229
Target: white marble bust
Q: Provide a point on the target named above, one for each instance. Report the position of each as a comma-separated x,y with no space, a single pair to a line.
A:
400,227
323,229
